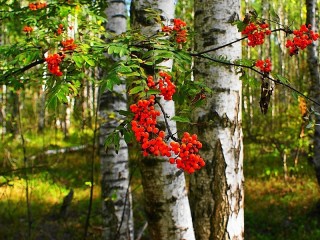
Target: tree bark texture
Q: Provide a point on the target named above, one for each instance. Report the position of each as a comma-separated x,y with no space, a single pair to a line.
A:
166,201
116,209
216,192
313,64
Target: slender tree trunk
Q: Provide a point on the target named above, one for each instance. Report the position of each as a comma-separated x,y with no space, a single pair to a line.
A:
116,208
216,192
41,109
166,201
315,84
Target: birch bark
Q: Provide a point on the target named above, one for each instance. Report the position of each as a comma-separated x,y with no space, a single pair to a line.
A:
116,207
216,192
166,201
313,64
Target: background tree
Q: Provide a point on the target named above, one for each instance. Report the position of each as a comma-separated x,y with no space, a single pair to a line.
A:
313,65
115,183
216,192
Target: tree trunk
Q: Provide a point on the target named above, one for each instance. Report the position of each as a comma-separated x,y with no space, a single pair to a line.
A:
166,201
216,192
116,209
315,85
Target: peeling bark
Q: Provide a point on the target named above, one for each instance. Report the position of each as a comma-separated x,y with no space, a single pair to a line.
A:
216,192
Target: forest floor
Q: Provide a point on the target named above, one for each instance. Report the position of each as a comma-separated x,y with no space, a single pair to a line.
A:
275,208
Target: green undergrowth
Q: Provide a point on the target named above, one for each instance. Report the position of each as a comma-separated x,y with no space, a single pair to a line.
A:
49,178
277,208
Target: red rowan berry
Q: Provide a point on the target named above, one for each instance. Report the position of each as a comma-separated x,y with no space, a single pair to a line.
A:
27,29
265,66
53,62
256,33
302,38
178,30
68,45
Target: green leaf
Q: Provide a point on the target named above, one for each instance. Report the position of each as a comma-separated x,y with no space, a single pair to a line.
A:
128,136
123,52
316,113
88,184
240,25
136,89
245,62
88,60
153,91
111,49
85,48
180,119
274,15
78,60
310,125
124,69
125,113
109,140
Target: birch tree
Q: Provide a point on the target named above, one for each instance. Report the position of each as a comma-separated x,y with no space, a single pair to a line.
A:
313,64
216,192
116,208
166,202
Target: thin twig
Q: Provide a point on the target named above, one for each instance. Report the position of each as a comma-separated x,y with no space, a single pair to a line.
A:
139,236
87,224
170,134
25,162
277,81
230,43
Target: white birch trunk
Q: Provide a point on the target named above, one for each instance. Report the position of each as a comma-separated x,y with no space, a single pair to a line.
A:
216,192
116,209
313,63
166,201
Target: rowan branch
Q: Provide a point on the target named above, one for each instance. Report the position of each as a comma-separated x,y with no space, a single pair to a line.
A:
235,41
277,81
21,70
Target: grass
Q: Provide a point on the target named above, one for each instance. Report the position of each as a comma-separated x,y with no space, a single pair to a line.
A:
275,209
47,189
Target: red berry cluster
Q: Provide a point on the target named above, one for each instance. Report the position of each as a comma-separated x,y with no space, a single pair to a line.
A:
27,29
256,33
54,61
188,158
37,6
68,45
164,84
60,29
154,141
145,130
265,66
303,38
178,29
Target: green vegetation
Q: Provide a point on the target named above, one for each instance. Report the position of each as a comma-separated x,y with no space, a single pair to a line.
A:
281,191
275,208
